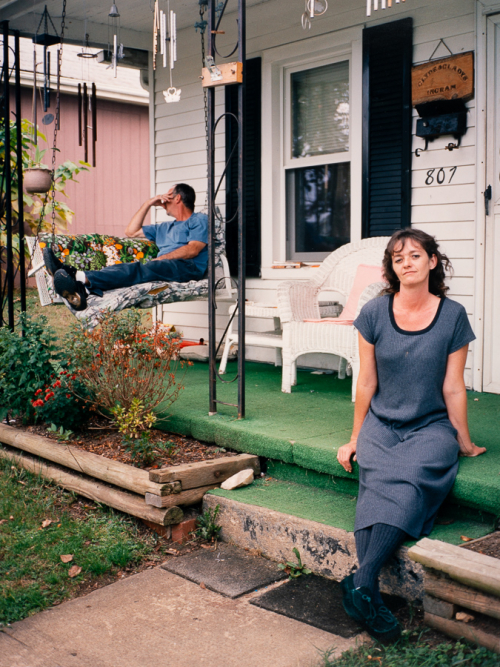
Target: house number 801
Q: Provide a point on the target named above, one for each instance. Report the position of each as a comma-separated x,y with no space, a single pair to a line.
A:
440,176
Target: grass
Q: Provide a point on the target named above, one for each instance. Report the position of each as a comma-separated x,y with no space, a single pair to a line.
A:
413,650
103,543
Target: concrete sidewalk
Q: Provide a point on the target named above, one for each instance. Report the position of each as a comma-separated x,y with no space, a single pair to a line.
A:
157,619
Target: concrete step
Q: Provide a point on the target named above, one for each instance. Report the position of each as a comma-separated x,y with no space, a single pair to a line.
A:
273,516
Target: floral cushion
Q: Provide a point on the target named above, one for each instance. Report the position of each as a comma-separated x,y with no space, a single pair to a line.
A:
89,252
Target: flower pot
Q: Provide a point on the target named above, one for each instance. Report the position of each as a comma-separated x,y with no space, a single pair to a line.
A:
37,180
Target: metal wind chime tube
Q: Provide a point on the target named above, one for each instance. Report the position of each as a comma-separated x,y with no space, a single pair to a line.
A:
212,332
380,4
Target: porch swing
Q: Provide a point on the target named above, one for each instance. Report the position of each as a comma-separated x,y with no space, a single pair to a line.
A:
85,251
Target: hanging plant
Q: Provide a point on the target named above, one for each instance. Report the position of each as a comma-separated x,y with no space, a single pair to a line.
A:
37,177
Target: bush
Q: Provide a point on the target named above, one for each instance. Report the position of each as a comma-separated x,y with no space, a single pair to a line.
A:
126,372
58,403
26,362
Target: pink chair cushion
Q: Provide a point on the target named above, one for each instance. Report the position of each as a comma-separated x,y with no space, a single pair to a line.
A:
365,275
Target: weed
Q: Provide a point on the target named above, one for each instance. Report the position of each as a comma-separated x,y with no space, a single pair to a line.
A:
61,434
207,528
294,570
141,449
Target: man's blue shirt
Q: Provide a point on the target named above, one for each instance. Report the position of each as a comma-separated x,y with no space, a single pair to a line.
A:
169,236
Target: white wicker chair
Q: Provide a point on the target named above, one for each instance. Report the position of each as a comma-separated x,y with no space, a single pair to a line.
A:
298,301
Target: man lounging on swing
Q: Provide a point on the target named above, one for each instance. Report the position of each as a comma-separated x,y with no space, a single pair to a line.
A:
182,254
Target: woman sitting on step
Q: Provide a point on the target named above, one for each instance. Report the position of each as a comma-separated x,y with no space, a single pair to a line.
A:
410,418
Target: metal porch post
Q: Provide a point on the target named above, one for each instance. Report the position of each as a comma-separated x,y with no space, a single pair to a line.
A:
212,332
19,153
8,180
241,215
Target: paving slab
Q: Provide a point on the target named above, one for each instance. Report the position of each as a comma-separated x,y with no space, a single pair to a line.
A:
227,570
313,600
158,618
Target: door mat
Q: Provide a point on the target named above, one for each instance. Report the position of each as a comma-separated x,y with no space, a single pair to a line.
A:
227,570
313,600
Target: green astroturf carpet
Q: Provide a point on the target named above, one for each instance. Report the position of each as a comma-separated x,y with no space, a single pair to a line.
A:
305,429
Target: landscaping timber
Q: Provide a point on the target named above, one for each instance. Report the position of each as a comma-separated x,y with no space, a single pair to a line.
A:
107,470
470,568
466,631
460,595
120,500
189,497
202,473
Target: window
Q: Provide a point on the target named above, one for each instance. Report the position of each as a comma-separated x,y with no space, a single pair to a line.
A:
317,161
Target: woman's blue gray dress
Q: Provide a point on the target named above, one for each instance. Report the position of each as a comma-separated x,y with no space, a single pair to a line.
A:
407,449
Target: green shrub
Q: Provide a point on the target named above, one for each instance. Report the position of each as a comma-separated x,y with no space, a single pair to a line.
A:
26,362
62,401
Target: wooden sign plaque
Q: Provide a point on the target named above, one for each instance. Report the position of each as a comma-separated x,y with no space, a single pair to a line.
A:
444,79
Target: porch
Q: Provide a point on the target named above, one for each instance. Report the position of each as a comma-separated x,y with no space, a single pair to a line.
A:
298,434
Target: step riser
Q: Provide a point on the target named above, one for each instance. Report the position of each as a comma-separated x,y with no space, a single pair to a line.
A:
327,551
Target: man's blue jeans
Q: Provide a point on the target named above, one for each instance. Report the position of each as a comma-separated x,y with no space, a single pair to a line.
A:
135,273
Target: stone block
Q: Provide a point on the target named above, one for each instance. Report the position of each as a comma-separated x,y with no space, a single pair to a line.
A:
242,478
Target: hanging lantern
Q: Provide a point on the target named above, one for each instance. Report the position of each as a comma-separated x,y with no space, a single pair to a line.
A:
47,40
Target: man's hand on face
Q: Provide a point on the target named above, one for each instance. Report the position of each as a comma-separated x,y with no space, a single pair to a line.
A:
162,200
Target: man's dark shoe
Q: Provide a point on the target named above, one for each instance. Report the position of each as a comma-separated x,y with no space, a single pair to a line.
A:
54,264
376,619
70,289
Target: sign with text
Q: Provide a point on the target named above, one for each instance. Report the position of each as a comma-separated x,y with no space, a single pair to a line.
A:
444,79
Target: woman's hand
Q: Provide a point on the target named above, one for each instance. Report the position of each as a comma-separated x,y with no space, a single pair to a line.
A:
344,455
470,449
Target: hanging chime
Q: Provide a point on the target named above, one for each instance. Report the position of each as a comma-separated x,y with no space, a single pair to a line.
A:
383,4
114,29
312,9
46,39
84,104
167,23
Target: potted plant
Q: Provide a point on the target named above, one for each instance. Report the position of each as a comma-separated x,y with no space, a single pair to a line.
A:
38,177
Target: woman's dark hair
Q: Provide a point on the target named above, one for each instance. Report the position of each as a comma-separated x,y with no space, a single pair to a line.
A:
188,195
429,244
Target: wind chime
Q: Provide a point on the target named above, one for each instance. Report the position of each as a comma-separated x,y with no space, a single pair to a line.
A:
165,31
46,39
312,9
87,103
114,29
383,4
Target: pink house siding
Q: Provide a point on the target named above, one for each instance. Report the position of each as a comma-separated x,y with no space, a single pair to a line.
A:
105,197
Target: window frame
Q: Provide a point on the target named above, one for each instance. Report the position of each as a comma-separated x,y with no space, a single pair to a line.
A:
336,46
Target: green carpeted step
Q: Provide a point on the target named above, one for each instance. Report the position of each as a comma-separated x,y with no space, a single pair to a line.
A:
306,427
338,509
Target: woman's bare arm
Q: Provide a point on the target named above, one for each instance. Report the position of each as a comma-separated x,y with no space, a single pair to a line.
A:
365,389
455,397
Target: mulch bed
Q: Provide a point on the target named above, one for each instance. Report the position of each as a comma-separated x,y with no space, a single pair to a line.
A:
489,545
100,438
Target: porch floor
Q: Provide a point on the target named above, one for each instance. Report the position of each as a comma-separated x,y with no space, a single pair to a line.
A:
305,429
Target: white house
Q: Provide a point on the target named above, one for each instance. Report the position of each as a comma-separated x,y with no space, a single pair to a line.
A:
331,143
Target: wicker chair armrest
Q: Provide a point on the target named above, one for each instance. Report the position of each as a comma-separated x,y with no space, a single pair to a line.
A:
369,293
298,300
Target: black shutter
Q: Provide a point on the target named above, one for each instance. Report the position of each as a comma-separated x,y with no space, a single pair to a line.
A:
387,60
251,168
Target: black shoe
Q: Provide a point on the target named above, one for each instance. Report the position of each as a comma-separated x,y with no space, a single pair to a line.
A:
53,263
70,289
376,619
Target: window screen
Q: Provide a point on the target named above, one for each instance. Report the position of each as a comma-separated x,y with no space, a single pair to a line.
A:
320,110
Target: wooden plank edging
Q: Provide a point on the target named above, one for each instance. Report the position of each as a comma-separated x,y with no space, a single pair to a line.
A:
189,497
460,630
463,596
94,465
470,568
203,473
129,503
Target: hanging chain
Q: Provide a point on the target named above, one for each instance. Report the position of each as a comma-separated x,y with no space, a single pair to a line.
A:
57,121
